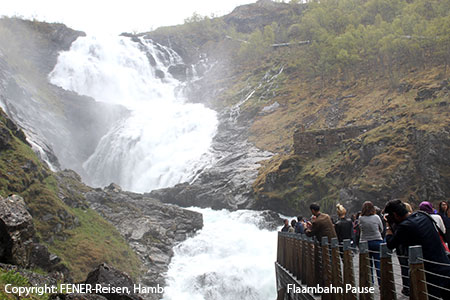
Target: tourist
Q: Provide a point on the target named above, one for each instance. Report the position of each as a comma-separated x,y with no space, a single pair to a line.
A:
383,221
299,226
293,224
356,230
427,207
419,229
343,226
371,228
286,227
402,256
443,212
321,225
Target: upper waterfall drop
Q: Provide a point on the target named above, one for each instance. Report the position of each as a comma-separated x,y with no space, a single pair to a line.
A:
164,140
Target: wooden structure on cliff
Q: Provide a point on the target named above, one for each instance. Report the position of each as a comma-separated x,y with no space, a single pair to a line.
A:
303,264
315,143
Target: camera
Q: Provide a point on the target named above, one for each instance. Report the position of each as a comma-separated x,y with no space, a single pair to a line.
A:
389,218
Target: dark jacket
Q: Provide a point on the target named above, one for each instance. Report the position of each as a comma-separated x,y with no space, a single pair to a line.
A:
322,226
446,221
418,229
344,229
286,228
299,228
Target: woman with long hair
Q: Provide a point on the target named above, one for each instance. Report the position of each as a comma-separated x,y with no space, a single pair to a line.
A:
444,211
371,228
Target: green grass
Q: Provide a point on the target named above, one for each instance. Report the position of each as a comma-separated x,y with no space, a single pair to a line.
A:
93,242
16,280
80,247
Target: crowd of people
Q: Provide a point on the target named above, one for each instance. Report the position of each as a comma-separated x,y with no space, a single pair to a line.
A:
397,225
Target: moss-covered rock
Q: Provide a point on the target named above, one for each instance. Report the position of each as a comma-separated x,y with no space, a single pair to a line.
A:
61,217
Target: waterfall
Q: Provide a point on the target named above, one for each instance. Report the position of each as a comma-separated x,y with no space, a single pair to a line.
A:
164,140
230,258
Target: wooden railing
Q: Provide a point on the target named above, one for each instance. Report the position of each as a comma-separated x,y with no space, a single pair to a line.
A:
303,262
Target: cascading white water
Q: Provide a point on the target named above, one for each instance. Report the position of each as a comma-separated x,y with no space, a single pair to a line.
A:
230,258
164,140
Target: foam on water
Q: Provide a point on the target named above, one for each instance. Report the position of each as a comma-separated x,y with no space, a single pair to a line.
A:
230,258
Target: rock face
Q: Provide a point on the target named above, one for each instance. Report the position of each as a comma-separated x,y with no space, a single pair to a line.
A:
247,18
228,182
410,166
16,231
19,244
107,277
150,227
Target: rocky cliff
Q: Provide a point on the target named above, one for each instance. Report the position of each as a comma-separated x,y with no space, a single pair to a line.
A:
342,140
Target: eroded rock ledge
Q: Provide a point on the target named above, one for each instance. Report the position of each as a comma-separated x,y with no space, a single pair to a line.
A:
150,227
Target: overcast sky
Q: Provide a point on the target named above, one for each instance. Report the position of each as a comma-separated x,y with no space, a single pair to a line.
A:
116,16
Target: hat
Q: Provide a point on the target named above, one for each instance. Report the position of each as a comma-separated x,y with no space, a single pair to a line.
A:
426,207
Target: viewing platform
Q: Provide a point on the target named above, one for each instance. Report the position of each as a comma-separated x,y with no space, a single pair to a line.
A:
303,272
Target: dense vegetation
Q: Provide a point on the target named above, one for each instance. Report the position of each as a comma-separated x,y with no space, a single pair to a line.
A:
345,39
15,279
353,38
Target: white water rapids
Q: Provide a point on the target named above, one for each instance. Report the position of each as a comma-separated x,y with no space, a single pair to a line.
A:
165,140
230,258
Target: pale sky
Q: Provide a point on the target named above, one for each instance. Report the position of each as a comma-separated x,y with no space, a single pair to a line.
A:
116,16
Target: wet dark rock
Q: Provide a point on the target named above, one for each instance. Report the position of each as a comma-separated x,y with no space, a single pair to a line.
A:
107,276
42,258
426,93
270,220
19,244
150,227
179,71
16,231
228,182
160,74
151,59
5,138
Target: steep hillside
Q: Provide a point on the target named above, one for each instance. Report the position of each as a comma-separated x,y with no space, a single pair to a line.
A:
71,230
301,86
